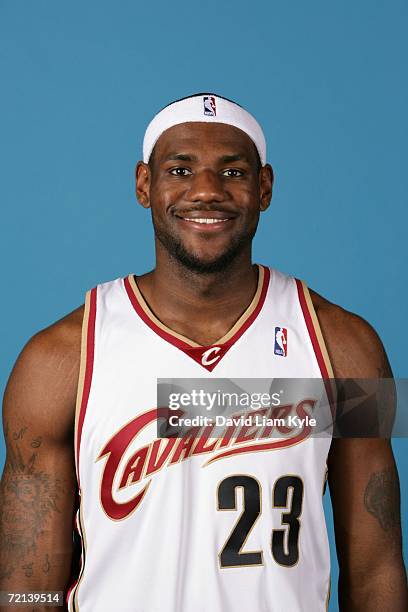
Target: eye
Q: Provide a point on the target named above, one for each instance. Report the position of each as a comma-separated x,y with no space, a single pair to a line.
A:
233,172
179,171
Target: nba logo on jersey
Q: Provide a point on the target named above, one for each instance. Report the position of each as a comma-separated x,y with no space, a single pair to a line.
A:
281,341
209,106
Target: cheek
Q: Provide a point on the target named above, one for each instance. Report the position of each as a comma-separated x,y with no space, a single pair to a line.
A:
162,196
246,195
249,205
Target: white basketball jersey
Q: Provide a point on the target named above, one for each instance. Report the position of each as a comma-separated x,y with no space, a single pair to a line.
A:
197,524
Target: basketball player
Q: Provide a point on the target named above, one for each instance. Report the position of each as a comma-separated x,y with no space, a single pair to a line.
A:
195,524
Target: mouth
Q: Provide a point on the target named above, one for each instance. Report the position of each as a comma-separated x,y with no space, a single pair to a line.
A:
206,220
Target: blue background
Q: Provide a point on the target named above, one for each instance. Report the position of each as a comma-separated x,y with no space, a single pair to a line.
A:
328,84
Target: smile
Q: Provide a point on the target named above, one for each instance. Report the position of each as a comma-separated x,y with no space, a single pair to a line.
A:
205,220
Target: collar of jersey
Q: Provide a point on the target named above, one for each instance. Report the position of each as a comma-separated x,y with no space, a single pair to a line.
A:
182,342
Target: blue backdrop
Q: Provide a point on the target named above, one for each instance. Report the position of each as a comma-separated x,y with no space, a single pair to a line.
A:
328,84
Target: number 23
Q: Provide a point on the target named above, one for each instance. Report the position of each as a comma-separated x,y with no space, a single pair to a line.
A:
231,555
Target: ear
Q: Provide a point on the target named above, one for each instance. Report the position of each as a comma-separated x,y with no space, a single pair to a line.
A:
265,186
143,177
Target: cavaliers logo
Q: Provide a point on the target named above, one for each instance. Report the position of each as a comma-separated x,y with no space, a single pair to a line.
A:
159,453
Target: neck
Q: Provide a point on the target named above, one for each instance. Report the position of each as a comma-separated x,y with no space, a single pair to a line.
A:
196,304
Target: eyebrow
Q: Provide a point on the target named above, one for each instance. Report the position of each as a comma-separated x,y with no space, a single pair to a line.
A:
233,158
226,159
180,157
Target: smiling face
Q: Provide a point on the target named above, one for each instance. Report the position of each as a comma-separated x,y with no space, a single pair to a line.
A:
205,186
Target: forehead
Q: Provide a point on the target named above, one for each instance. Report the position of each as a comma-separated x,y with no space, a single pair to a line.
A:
200,137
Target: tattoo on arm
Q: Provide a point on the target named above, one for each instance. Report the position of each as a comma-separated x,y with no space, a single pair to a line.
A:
382,498
46,566
28,497
36,443
18,435
28,569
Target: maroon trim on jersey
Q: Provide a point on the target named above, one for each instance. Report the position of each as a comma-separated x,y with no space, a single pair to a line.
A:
73,585
76,580
196,351
311,330
330,390
248,322
145,317
90,350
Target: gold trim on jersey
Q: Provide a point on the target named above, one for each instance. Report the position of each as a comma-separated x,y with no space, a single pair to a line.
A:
73,603
84,544
317,329
328,594
82,370
325,477
237,325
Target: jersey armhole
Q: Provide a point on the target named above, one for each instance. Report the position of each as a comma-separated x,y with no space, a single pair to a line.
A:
319,347
85,370
314,329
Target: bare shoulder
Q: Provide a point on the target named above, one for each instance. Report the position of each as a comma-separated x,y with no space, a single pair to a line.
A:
62,338
354,347
41,390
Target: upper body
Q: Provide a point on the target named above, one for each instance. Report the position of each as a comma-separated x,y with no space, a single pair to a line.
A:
203,281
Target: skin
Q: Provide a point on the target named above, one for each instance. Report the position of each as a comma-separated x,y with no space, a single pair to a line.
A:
219,176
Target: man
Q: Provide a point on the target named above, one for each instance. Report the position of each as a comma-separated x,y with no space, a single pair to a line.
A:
195,523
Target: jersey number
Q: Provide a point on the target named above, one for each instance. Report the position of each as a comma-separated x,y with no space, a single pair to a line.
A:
286,555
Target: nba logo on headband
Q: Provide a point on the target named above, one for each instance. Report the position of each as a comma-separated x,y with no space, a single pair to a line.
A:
209,106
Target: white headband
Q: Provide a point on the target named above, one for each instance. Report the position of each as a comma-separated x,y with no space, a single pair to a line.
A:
204,107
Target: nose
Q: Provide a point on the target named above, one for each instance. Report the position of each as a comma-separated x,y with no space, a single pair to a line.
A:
206,186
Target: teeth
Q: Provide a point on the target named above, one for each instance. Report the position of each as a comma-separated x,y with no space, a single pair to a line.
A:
205,220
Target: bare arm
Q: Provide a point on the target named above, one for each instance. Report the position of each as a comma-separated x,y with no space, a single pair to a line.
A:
367,525
363,481
38,485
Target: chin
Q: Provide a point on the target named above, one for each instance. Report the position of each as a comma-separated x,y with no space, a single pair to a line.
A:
205,261
205,265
